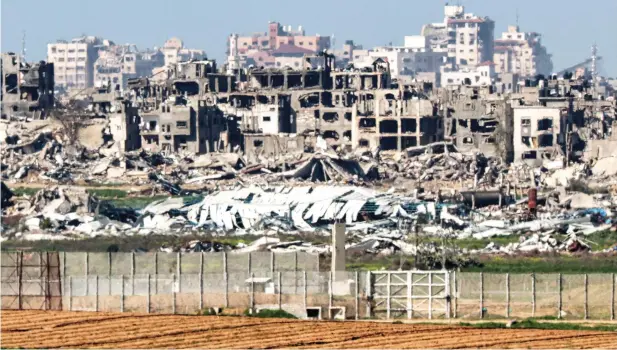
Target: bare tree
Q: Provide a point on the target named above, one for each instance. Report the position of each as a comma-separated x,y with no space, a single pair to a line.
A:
73,119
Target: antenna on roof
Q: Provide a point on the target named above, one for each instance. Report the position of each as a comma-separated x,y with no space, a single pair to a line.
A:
23,45
517,29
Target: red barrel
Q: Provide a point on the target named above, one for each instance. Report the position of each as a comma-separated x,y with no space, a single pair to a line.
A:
533,199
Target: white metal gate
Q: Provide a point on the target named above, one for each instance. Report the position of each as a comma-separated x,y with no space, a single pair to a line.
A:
409,294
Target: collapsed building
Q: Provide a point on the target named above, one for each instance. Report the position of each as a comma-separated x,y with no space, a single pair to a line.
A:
268,113
27,89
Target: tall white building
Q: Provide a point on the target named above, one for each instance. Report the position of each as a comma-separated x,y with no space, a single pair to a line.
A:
74,61
467,39
521,53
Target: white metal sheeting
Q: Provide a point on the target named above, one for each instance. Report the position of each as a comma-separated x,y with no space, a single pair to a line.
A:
300,207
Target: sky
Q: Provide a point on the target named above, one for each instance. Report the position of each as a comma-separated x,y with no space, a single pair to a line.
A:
569,27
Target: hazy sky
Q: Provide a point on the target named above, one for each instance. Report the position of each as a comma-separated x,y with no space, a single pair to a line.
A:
569,27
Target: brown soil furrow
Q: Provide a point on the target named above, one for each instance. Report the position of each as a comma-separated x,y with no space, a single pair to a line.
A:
157,334
415,334
410,339
40,329
221,335
136,329
362,337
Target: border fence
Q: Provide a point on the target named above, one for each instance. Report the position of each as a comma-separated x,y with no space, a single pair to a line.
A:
189,282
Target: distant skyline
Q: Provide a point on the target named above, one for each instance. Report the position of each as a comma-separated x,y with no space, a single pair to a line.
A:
568,27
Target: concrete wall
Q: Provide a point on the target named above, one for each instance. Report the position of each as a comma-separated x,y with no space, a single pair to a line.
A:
534,128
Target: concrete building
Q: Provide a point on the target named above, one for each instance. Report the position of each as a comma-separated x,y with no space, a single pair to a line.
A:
27,89
175,52
479,120
177,115
74,61
118,64
278,35
468,39
538,133
404,60
280,41
481,75
521,53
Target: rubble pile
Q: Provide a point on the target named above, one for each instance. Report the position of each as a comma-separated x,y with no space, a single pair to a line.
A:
451,166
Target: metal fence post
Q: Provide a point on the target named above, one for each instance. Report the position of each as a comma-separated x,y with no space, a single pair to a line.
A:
481,294
507,295
533,294
121,293
368,294
409,295
96,307
455,281
388,295
250,258
272,264
430,295
226,277
132,273
64,270
586,296
173,293
280,290
304,288
149,292
296,272
179,271
252,291
329,293
612,296
109,272
201,280
357,291
448,299
560,303
156,272
70,293
87,267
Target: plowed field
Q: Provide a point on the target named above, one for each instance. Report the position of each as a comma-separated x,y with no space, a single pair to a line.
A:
45,329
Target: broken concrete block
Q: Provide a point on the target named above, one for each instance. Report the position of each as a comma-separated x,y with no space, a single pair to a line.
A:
605,167
115,172
582,201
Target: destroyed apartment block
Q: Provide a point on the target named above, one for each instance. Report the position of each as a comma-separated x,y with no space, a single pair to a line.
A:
394,120
538,134
480,124
27,89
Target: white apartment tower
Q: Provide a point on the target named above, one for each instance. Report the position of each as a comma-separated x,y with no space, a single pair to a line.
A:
468,39
521,53
74,61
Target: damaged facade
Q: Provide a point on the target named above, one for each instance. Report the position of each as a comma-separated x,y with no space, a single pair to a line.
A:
27,89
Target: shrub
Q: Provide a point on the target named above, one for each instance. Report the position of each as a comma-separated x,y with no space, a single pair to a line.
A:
269,313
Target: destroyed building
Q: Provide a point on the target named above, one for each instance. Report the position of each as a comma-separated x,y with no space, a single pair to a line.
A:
27,89
479,120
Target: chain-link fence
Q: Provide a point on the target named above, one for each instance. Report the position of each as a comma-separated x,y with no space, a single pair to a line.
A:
187,283
564,296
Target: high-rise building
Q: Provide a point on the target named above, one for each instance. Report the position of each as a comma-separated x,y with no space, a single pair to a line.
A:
467,38
521,53
74,61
